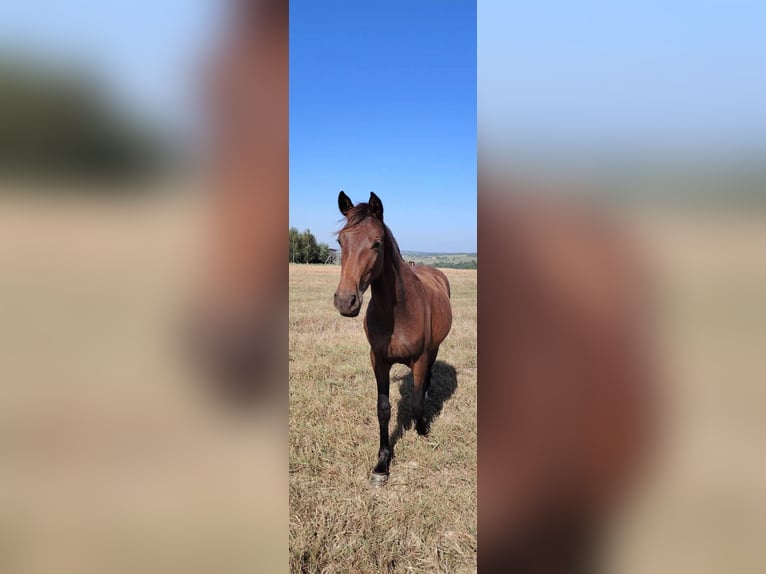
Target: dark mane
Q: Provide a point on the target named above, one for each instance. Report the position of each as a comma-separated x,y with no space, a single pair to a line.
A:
394,244
356,215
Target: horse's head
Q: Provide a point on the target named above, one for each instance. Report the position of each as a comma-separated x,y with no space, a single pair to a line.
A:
361,243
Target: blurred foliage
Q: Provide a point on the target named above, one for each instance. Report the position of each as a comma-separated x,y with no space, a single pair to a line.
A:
56,124
719,177
305,249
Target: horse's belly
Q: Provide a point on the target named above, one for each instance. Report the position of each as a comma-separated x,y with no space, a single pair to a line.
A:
441,320
398,350
404,352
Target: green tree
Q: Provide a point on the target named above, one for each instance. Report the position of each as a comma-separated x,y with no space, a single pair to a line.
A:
294,240
300,248
311,247
324,252
304,248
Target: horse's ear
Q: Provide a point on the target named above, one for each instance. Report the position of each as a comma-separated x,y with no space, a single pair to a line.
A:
376,206
344,203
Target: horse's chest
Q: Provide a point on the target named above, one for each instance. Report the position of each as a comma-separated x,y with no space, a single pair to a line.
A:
397,339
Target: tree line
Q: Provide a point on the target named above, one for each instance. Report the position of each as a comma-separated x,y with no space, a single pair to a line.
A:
305,249
472,264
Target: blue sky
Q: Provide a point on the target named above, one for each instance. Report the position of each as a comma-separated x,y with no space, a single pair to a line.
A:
653,74
383,99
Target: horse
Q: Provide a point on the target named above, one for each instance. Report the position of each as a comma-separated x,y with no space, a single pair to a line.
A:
408,317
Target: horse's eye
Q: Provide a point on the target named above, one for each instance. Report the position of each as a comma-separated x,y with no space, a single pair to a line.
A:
376,244
338,240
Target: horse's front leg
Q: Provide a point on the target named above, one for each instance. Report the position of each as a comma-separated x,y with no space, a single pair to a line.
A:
382,371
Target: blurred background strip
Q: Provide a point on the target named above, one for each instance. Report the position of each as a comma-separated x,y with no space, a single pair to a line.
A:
622,213
143,291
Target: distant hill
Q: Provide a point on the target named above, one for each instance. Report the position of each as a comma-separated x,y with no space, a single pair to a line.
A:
406,253
444,260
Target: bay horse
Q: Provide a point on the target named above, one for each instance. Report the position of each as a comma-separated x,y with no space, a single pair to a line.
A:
409,314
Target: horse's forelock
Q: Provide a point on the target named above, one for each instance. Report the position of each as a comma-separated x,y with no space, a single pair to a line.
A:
359,213
356,215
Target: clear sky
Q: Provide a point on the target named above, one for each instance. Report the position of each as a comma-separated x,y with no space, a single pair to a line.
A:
658,74
383,99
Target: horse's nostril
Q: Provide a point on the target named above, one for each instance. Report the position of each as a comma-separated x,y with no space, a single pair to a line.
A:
353,299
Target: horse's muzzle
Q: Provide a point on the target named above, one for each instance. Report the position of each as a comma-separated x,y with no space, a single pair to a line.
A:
348,304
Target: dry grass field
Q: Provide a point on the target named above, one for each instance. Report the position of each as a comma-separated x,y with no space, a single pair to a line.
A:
424,518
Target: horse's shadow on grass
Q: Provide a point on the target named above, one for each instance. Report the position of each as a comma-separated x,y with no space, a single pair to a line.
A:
443,386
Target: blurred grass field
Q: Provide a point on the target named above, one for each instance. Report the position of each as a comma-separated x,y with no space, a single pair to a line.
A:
703,508
425,517
109,460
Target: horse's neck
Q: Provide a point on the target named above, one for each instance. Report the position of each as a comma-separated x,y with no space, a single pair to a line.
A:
386,289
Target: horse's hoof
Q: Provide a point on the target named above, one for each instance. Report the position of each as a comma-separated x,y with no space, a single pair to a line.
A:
378,479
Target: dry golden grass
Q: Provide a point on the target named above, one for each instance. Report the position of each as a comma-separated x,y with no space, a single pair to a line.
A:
424,519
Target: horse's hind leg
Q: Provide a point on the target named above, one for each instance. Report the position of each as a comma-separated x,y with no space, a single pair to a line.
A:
421,379
431,361
382,371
